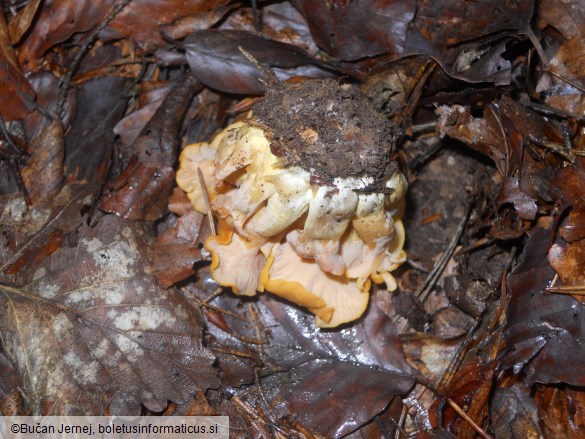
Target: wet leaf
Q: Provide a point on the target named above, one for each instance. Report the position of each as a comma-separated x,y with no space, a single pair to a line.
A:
566,16
142,189
469,388
361,28
92,331
390,86
150,98
568,261
183,26
430,355
574,228
90,141
16,93
467,38
569,61
176,250
436,19
510,192
215,59
331,397
46,87
543,331
514,413
313,375
142,19
482,134
43,174
56,21
60,19
561,410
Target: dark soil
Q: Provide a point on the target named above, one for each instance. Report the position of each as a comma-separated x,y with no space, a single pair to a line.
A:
328,129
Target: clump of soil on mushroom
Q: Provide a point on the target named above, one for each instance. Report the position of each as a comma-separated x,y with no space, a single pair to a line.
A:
327,129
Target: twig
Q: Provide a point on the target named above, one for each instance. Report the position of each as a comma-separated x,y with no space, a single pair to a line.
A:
9,138
237,353
534,40
421,412
65,82
399,430
207,203
577,290
567,80
223,311
255,15
474,246
422,128
553,146
257,329
213,295
506,144
270,78
424,74
550,111
425,289
464,415
421,159
13,163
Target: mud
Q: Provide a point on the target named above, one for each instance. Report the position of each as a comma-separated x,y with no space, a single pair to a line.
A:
327,129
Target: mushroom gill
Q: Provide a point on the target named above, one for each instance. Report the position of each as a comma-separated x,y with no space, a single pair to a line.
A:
308,199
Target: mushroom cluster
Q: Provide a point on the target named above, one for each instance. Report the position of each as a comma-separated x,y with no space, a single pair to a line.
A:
305,210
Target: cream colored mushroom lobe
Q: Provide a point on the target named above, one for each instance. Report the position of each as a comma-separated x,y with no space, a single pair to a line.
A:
317,242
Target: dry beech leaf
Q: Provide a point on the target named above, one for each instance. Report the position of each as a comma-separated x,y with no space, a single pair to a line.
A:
93,329
15,92
357,29
43,174
569,61
469,388
543,331
183,26
21,22
142,19
566,16
561,410
215,59
56,21
152,95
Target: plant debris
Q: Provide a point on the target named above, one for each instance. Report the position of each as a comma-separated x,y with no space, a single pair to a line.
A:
329,130
453,309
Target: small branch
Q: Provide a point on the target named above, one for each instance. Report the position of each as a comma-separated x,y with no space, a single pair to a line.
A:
270,78
207,203
464,415
425,289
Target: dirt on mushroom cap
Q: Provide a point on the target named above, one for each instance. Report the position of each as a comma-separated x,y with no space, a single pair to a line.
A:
327,129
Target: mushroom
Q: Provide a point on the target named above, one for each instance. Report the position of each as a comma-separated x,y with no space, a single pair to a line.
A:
308,200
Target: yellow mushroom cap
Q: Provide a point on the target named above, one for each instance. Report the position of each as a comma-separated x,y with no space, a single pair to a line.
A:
317,245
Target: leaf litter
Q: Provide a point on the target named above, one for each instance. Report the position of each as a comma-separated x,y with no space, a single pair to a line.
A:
103,259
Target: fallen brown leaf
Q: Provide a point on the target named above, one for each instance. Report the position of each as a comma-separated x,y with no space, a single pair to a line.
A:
93,331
